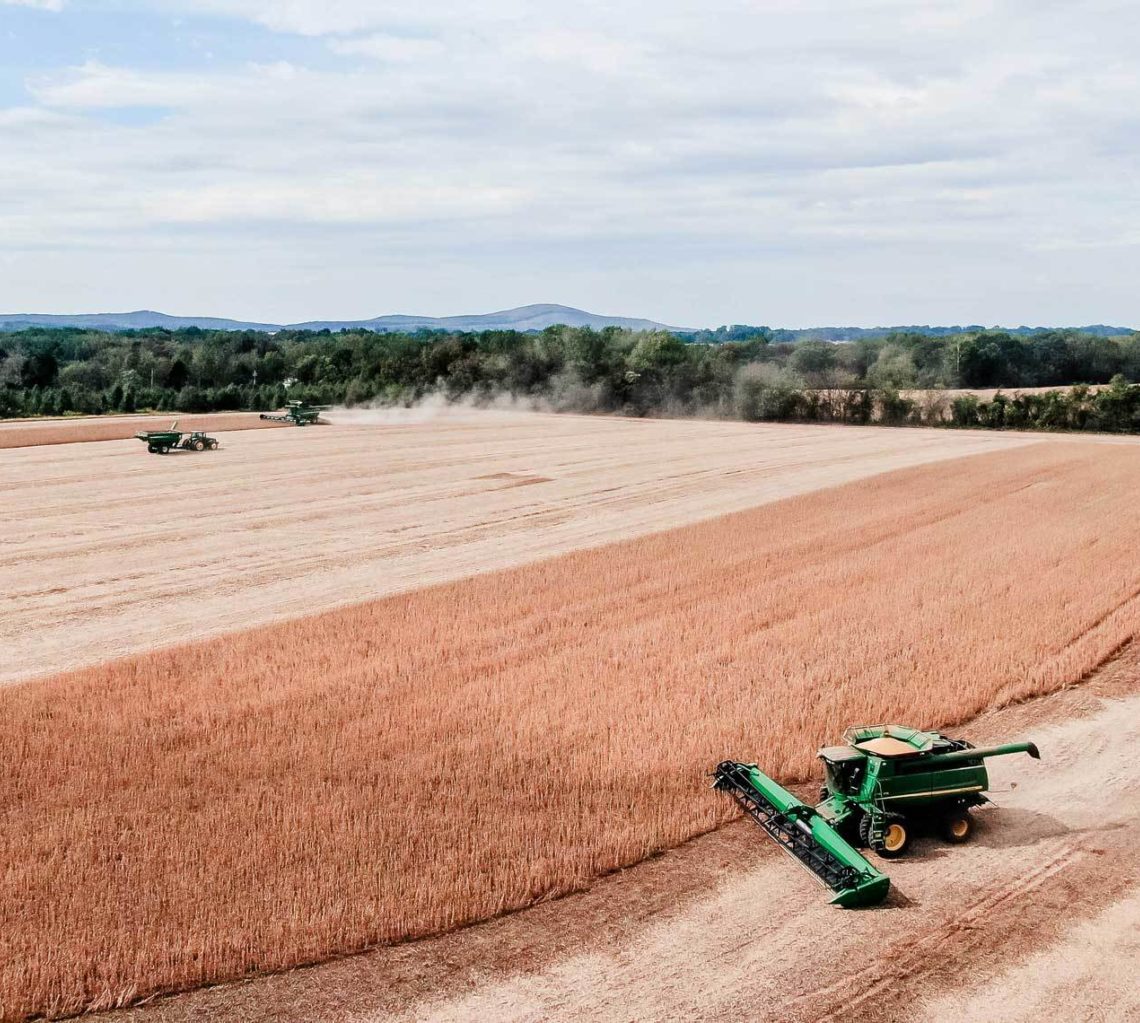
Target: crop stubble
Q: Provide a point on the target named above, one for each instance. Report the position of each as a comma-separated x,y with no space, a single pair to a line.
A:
109,550
408,765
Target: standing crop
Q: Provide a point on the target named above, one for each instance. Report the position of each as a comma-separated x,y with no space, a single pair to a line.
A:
34,432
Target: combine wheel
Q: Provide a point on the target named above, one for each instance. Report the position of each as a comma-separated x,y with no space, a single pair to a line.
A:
896,838
957,826
893,840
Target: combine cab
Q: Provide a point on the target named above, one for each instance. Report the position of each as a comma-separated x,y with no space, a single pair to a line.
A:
879,787
296,412
161,442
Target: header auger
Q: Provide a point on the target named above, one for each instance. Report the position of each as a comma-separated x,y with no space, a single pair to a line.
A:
878,788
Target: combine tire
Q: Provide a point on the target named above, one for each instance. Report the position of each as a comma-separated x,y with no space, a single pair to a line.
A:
957,827
199,445
896,836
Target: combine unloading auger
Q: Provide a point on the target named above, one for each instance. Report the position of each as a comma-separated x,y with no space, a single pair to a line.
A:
801,831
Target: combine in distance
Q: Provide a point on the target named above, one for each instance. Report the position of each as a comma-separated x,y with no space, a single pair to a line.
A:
298,413
882,784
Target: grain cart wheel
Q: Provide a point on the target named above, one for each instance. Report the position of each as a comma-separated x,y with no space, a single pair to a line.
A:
957,826
199,445
152,448
163,449
896,838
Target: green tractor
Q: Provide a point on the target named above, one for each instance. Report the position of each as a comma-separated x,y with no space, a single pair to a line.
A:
880,787
299,413
161,442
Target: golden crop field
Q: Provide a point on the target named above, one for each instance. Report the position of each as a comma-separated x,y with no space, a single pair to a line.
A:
35,432
403,766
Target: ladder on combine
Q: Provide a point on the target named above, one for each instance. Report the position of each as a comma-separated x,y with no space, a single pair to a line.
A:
801,831
879,819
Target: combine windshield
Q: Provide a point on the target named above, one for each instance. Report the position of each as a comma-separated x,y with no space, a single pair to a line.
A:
843,772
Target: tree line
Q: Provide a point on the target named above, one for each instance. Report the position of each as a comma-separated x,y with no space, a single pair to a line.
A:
743,373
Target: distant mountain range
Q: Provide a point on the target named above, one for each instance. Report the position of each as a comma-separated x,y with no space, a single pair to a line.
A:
140,320
527,317
524,318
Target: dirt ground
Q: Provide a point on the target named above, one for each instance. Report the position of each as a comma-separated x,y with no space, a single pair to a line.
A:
110,550
1037,918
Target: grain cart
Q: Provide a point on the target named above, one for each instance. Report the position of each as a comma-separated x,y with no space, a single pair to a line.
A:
160,442
879,787
298,413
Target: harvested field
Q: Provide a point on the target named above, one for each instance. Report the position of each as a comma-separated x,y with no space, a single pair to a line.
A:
405,766
116,550
23,433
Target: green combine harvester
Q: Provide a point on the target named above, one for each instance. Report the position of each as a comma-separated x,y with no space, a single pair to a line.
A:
880,786
298,413
161,442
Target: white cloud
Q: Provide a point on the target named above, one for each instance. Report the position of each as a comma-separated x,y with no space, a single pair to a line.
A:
591,50
785,162
339,17
388,47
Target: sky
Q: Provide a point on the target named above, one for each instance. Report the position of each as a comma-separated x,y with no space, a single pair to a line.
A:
857,162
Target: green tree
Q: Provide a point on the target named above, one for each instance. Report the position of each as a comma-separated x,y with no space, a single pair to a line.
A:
40,369
657,352
815,361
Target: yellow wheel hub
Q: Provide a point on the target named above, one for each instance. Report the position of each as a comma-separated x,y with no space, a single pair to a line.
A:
895,838
960,827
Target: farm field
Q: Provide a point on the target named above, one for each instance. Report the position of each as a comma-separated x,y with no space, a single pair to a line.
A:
22,433
404,766
1025,917
116,550
988,393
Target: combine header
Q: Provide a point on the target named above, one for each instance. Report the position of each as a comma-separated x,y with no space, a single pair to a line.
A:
883,783
296,412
